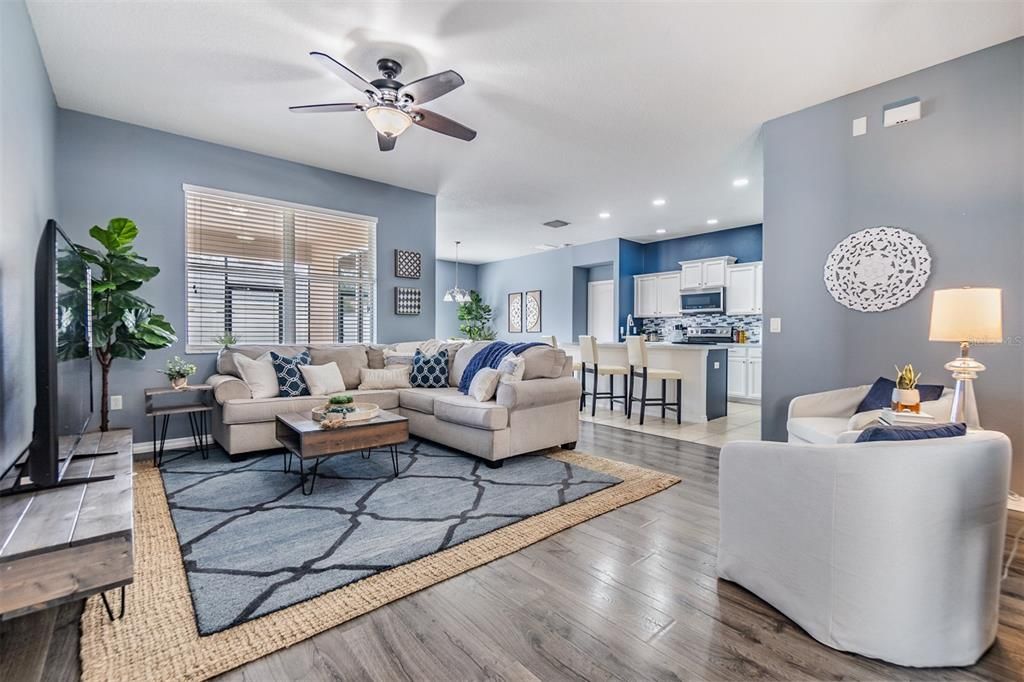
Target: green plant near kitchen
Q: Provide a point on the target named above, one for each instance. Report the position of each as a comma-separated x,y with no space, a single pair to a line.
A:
475,316
124,325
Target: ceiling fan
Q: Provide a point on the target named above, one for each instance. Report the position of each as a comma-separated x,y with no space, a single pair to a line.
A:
392,106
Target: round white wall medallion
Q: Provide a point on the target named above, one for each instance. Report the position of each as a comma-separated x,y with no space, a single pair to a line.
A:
877,269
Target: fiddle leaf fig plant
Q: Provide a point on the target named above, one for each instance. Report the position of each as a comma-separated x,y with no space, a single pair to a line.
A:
124,325
475,316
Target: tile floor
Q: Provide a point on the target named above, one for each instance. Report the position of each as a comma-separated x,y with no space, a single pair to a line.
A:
742,423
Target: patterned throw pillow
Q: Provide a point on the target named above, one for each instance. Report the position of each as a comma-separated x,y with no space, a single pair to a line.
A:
290,382
429,371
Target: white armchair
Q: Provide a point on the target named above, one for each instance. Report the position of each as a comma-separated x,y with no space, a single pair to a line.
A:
891,550
828,417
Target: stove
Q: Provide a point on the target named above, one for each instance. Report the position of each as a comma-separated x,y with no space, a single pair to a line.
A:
704,336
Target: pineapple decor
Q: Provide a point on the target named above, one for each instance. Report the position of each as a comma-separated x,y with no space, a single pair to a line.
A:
906,397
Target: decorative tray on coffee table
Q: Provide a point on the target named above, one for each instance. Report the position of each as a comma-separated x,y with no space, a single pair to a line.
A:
358,412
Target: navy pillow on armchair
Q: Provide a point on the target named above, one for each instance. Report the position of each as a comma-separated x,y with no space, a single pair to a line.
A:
880,394
911,432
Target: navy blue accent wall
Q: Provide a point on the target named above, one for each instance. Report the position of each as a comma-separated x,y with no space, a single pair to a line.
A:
742,242
632,261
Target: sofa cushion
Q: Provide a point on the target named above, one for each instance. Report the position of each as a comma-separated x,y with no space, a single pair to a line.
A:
389,377
429,371
543,362
817,429
375,356
880,394
226,360
290,382
247,411
462,358
323,379
422,399
464,410
350,358
259,374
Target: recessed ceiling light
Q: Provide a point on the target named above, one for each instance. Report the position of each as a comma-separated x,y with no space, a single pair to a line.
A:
658,202
712,221
604,214
545,247
661,230
245,237
740,182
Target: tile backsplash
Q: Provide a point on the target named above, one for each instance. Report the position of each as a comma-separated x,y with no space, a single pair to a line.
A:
666,326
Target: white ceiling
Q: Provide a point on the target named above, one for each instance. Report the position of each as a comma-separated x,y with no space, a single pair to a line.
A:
580,107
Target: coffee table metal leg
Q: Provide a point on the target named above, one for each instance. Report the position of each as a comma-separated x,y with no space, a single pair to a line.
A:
312,478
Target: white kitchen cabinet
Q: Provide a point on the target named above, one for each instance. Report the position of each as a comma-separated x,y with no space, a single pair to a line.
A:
704,273
744,373
668,294
743,289
656,295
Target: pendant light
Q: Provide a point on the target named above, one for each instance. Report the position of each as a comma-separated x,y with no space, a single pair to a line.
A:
455,294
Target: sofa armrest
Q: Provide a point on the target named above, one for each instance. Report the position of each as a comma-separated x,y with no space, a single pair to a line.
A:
227,387
538,392
838,403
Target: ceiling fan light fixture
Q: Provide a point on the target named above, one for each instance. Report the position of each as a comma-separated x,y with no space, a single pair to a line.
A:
389,121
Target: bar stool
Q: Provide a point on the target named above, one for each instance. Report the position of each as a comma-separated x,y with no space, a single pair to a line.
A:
589,356
553,342
636,352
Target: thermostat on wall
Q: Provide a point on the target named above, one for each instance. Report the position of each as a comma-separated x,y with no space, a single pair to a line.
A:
904,111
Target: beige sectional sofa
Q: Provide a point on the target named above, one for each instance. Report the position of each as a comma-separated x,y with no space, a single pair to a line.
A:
538,412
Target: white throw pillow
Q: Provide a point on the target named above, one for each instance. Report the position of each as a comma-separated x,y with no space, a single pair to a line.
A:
323,379
484,384
511,367
259,374
391,377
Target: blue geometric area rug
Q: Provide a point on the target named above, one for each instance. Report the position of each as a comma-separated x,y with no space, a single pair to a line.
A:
233,563
252,543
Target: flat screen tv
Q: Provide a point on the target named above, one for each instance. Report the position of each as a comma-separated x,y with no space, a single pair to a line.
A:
63,349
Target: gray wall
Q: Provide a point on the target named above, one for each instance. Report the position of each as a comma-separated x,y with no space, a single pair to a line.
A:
28,128
446,318
954,178
106,168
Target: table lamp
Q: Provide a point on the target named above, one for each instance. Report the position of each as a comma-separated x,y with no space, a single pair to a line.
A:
965,316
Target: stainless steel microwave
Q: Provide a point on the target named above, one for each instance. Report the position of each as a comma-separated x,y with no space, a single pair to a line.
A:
703,301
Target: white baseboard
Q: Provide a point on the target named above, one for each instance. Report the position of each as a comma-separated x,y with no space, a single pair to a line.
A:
1015,502
186,443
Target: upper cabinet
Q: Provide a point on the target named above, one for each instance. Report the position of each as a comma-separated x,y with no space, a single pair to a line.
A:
744,292
704,273
656,295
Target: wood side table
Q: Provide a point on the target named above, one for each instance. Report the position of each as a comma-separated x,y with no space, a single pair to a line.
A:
197,417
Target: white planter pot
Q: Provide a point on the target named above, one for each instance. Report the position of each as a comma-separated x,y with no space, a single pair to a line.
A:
906,396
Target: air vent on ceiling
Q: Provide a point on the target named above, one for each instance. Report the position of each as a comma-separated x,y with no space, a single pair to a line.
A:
556,223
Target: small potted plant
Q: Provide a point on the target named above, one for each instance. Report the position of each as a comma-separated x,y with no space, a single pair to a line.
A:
178,371
906,397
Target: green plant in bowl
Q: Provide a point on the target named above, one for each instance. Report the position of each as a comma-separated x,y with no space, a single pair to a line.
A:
340,400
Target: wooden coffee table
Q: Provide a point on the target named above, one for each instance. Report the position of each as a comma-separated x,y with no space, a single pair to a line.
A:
303,438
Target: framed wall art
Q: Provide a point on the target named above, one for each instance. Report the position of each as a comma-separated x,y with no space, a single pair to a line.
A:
408,301
408,264
533,311
515,313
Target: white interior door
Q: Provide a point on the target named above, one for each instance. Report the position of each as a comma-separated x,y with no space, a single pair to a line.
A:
601,310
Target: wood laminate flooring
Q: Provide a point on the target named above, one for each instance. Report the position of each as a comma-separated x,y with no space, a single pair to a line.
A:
630,595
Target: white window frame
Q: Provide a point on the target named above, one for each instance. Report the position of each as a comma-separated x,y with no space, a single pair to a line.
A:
289,207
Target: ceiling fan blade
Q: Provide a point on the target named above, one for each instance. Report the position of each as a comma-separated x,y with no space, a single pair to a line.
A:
326,108
431,87
386,143
443,125
346,74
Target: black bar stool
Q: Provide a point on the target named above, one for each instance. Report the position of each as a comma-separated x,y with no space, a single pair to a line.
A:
589,362
636,352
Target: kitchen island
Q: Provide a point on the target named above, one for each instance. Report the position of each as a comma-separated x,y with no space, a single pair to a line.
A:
704,369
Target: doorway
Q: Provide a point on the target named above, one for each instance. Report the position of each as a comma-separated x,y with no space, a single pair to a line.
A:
601,310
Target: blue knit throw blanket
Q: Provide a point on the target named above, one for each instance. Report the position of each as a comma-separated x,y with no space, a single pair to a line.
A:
490,356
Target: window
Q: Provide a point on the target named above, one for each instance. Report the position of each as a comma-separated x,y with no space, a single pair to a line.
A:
274,272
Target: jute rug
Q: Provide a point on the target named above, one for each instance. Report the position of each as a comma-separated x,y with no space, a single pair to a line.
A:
158,639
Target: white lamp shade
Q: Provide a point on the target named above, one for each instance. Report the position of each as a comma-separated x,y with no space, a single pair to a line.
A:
967,314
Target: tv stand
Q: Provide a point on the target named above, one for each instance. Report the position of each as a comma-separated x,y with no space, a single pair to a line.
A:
62,482
72,541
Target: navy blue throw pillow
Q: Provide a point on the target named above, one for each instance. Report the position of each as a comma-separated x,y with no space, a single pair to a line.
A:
429,371
911,432
880,394
290,382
